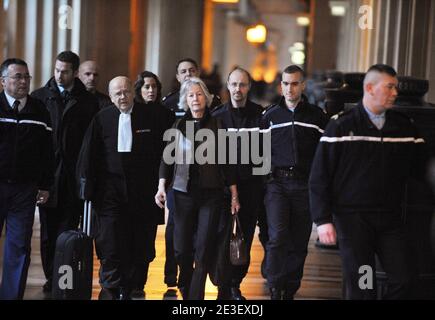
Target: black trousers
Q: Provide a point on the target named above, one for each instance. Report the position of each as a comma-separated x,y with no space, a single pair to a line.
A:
171,268
251,201
125,242
361,236
289,227
195,227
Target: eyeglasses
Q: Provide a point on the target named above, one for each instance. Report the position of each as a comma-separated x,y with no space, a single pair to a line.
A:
19,77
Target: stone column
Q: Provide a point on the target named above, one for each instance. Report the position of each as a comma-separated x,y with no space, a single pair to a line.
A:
323,38
174,31
430,69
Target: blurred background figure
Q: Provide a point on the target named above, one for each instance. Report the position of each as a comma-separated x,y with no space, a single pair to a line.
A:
89,75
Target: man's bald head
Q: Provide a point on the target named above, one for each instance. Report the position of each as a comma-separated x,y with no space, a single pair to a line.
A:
121,93
88,74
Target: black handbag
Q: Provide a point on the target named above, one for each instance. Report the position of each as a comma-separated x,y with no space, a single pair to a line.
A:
238,249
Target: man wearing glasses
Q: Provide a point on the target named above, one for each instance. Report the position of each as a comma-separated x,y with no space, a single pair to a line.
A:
26,171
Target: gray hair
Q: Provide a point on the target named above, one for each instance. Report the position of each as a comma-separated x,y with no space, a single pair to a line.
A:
185,88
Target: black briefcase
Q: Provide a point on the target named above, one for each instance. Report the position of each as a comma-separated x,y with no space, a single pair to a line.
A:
73,262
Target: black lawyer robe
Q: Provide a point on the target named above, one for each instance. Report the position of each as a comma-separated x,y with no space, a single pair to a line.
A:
106,175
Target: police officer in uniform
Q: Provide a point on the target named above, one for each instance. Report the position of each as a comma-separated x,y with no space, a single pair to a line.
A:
357,185
26,171
296,127
185,69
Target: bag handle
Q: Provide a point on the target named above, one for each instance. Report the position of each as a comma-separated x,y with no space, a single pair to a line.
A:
236,223
86,222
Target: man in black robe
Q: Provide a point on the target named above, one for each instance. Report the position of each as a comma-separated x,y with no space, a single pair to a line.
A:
118,170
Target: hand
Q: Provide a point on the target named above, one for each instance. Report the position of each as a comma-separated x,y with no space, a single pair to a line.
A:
42,196
160,198
327,233
235,205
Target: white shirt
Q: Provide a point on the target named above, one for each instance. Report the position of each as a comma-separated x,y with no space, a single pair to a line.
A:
125,136
62,88
11,101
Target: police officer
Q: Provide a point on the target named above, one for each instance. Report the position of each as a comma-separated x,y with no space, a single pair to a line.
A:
243,116
296,127
26,171
185,69
357,184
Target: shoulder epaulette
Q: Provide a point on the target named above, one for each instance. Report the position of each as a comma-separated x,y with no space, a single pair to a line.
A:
340,114
268,108
218,107
168,95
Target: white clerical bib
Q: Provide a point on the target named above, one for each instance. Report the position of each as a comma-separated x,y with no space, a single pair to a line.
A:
125,138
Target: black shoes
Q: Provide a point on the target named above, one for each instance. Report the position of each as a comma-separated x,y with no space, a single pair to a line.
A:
224,293
287,294
279,294
46,288
109,294
275,294
236,294
124,294
229,293
184,293
170,293
114,294
171,281
137,293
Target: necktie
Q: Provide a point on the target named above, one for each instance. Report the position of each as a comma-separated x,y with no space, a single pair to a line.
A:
65,96
15,106
125,139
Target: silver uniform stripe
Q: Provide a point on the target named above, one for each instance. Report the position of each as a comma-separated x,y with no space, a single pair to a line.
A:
296,123
37,123
8,120
308,125
242,129
371,139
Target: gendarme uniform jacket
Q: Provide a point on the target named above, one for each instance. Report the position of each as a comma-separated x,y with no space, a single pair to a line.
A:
26,147
358,168
294,135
